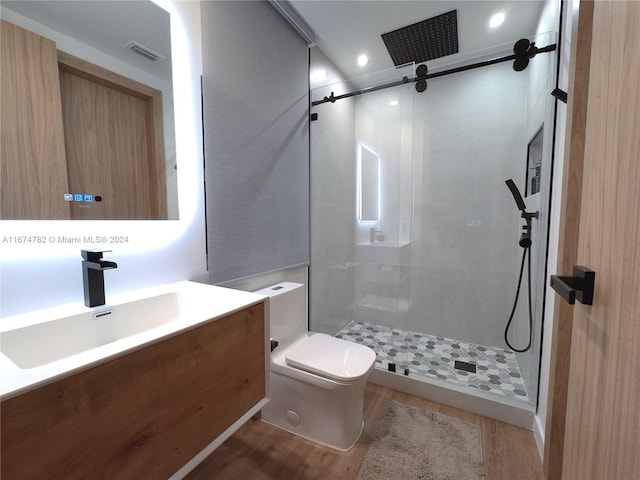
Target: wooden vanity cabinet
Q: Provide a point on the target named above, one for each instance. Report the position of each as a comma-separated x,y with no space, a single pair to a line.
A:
142,415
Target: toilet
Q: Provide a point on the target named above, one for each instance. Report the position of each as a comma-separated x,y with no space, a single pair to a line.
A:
317,381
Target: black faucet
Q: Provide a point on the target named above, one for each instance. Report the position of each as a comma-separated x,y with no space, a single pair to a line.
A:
93,276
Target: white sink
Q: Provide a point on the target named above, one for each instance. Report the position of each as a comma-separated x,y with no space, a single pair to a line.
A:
39,346
52,340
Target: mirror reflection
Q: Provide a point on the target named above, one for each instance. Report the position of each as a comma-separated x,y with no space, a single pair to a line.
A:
87,111
369,185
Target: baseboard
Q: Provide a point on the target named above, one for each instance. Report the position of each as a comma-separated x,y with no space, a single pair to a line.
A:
538,434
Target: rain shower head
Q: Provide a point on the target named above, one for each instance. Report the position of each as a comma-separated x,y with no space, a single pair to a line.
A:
516,195
432,38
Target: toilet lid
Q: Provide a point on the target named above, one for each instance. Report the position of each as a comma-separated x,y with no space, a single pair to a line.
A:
331,357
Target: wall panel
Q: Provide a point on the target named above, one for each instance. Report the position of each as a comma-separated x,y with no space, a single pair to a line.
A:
255,97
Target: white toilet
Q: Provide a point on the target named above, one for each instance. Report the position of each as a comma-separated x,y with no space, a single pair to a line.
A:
317,381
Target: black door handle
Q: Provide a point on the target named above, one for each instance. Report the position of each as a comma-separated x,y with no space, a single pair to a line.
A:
579,287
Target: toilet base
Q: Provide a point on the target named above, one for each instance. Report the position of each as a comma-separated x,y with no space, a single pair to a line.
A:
315,440
330,416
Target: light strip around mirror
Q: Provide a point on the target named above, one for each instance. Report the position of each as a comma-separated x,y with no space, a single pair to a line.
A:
33,240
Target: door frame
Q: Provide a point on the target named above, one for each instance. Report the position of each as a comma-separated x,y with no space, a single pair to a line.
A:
580,61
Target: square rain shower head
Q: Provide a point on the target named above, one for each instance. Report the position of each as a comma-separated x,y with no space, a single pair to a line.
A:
432,38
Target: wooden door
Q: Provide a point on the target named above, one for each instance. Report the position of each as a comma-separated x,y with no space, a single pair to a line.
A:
114,143
33,169
602,438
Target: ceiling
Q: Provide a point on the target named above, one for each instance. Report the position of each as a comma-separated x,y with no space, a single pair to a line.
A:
107,26
344,29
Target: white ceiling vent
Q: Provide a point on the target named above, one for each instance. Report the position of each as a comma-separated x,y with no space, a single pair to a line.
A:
144,51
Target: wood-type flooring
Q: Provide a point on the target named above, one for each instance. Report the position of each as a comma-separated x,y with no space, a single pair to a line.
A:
259,451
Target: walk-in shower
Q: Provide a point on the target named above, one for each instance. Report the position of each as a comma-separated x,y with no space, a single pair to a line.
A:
415,241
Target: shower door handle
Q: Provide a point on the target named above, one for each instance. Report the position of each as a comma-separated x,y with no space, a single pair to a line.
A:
578,287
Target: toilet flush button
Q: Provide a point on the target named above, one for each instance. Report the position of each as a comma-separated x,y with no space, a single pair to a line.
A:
293,418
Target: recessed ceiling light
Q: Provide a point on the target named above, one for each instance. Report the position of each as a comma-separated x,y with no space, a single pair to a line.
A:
393,103
363,60
496,20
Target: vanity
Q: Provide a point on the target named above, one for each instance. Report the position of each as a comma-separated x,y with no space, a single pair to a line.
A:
123,401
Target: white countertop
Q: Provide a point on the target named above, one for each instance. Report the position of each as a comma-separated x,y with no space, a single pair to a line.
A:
199,303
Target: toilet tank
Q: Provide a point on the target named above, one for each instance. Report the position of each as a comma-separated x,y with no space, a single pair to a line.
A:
287,311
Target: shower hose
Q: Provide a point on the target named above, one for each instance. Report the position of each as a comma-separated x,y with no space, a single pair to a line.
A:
526,254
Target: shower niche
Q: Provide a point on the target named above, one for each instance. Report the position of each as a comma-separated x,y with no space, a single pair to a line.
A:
534,163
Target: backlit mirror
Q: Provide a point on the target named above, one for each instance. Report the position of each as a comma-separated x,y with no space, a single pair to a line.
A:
369,185
87,111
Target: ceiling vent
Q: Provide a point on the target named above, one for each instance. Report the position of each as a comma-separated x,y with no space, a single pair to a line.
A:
144,51
429,39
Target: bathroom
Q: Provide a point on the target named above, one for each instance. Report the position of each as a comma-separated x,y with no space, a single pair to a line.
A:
227,234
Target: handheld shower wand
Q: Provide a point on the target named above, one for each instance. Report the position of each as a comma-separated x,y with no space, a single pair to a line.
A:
525,238
525,242
516,195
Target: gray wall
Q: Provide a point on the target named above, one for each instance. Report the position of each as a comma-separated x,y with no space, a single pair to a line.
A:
255,91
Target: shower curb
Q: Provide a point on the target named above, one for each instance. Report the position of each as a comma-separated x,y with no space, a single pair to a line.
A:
441,392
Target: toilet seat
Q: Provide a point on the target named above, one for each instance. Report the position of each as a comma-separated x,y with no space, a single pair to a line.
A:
331,357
